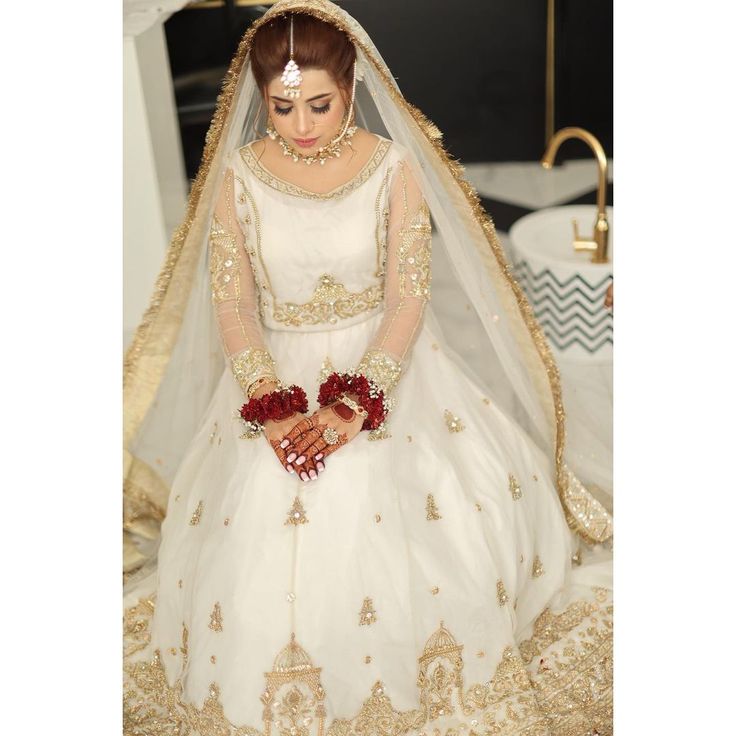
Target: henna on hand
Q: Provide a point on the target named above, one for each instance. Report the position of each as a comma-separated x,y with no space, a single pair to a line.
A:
343,411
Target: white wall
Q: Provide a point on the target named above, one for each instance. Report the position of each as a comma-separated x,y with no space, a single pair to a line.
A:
154,178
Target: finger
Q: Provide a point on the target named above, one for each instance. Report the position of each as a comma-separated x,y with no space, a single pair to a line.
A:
303,445
296,431
300,439
310,468
342,439
280,454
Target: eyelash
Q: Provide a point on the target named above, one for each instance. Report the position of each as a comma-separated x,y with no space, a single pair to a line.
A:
286,110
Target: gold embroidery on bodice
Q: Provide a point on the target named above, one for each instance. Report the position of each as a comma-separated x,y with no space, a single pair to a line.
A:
330,301
285,187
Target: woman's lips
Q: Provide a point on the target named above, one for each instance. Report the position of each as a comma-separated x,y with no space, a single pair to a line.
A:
305,142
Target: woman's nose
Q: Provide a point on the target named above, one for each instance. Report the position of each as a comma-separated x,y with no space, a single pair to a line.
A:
303,122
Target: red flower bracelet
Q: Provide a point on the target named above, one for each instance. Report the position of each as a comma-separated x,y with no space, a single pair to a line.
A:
276,405
370,397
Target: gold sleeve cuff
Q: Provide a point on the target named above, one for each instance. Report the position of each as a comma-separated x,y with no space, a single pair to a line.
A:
252,364
380,368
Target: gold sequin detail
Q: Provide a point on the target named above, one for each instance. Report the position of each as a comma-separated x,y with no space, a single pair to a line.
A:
486,401
454,424
501,593
415,249
330,302
216,618
180,583
435,346
213,659
478,507
296,513
252,364
435,590
226,522
173,651
177,497
534,478
224,259
408,438
514,487
380,433
537,567
368,658
378,518
433,513
326,369
367,613
197,515
380,368
481,653
184,648
577,557
213,434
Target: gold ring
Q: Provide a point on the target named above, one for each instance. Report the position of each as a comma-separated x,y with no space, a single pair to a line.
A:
330,436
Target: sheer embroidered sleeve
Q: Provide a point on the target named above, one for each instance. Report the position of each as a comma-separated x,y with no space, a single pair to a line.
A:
234,294
407,282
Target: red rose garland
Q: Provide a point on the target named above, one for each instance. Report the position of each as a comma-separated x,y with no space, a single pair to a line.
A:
370,397
276,405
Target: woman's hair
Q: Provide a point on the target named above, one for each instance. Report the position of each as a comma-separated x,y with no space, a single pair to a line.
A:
317,45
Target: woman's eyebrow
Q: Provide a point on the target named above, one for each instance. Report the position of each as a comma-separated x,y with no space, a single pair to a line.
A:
311,99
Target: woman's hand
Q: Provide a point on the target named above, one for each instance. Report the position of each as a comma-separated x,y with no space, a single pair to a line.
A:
306,447
275,431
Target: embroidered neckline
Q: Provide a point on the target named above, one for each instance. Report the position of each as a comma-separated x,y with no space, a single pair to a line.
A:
286,187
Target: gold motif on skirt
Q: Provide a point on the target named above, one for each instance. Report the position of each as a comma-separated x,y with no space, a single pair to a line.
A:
514,487
296,513
537,568
577,643
197,515
216,618
454,424
501,593
433,513
367,613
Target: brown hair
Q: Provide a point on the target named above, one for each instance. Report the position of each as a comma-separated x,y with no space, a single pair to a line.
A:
317,45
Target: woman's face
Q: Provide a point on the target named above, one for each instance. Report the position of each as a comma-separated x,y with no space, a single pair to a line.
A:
315,118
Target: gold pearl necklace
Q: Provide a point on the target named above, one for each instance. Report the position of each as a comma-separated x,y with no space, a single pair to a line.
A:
328,151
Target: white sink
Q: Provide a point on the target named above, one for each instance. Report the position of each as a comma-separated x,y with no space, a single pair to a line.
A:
564,288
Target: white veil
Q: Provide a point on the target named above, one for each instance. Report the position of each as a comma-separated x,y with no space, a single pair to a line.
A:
175,359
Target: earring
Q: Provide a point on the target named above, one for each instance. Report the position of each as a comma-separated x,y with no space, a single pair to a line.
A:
270,130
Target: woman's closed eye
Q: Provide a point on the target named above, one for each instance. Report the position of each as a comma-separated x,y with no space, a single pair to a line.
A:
286,110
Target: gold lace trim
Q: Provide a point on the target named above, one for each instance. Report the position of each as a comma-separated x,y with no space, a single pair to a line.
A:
224,261
415,263
252,364
331,301
560,681
286,187
380,368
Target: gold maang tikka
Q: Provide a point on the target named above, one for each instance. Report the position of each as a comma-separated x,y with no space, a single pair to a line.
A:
291,76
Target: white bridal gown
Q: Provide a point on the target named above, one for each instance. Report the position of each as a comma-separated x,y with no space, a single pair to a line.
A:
426,582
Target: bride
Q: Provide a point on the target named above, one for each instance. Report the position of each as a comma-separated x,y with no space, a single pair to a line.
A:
359,532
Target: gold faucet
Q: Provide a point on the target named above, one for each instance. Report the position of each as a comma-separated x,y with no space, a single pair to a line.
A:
598,244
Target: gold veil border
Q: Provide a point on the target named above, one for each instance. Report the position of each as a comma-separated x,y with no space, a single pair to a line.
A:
147,357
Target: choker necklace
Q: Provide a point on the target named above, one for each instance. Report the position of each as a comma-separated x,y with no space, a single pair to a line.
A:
330,150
